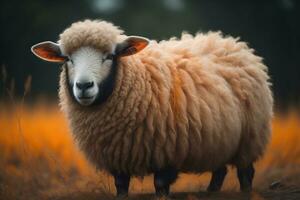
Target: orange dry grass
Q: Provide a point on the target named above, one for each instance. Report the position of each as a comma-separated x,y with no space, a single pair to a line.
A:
38,156
39,132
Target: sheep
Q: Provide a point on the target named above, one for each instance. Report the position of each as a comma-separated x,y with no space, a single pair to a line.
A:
136,107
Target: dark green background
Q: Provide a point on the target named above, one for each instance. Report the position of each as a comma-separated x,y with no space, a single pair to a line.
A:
272,27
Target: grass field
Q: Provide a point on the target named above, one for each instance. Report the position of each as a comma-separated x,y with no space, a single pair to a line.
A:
38,160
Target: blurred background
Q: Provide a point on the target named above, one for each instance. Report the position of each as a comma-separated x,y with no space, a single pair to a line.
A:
271,27
38,157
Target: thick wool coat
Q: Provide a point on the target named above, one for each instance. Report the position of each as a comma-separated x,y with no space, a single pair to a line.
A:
194,103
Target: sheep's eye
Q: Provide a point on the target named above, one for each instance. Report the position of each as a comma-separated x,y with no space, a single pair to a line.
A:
70,60
108,57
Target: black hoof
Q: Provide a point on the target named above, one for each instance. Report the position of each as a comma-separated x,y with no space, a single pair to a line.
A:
217,179
161,191
122,185
245,176
122,196
162,181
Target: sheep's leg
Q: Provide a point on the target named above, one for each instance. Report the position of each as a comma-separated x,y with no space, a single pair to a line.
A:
122,184
217,179
245,176
163,179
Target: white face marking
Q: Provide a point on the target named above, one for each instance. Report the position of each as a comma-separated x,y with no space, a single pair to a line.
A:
88,67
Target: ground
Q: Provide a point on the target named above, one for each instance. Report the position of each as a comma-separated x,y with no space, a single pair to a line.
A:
39,160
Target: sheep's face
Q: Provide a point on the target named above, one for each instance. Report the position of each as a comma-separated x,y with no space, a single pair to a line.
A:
90,71
88,68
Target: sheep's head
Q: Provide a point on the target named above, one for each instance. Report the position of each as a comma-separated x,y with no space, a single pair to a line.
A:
90,51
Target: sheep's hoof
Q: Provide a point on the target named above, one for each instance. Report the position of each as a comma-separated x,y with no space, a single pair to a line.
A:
122,196
245,176
217,179
122,185
161,187
162,181
246,189
162,192
213,188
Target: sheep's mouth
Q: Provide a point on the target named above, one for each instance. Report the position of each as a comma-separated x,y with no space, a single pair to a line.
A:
85,100
85,97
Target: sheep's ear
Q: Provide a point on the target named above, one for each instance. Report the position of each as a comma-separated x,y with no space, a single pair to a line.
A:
132,45
48,51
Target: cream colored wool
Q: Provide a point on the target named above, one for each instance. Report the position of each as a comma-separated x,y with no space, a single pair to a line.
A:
195,103
99,34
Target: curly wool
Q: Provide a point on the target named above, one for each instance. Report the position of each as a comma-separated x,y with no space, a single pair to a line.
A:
101,35
194,104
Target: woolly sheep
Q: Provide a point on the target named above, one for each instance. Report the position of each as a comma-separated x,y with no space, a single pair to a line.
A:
193,104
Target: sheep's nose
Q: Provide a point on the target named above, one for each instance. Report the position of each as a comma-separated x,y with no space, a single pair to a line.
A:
85,85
